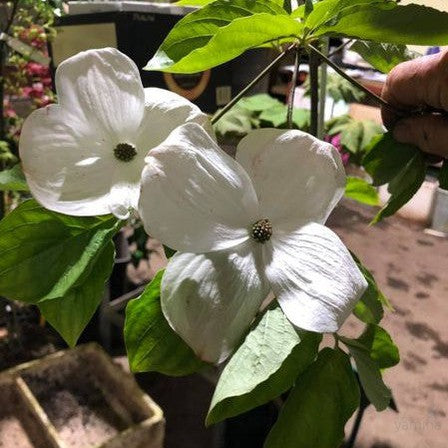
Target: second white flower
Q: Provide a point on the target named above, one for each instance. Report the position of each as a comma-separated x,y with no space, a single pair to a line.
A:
246,227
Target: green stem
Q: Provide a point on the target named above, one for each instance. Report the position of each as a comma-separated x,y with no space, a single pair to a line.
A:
323,92
314,93
293,88
357,84
341,47
258,78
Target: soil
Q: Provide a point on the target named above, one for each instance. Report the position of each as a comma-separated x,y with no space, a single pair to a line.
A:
411,269
76,406
17,426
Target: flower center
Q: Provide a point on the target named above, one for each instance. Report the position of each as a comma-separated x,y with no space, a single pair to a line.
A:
125,152
262,230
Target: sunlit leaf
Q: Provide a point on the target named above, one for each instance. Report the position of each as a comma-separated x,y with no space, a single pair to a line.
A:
389,22
263,367
380,346
330,11
360,190
220,32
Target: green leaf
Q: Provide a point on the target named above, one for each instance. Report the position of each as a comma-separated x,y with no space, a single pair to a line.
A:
380,346
369,308
383,57
316,411
193,2
329,11
263,367
200,3
356,135
299,12
277,116
386,158
404,186
151,344
336,124
70,314
389,22
220,32
13,179
238,121
43,254
443,175
361,191
259,102
369,374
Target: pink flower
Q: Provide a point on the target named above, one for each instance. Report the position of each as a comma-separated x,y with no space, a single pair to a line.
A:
335,140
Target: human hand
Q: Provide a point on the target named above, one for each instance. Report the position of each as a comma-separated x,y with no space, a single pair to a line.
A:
418,84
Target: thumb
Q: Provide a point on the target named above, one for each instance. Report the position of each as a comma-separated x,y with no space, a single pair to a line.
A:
428,132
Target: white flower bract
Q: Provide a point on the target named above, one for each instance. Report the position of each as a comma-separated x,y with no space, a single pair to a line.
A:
207,204
84,156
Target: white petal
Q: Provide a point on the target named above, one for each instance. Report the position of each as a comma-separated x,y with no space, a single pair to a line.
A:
64,164
123,198
314,277
211,299
297,177
164,112
104,88
194,197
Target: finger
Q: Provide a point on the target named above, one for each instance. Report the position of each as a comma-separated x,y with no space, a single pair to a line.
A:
422,82
429,133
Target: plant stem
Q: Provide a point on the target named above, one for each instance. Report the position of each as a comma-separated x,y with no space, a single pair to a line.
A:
322,92
293,88
258,78
356,427
353,81
341,47
15,5
314,93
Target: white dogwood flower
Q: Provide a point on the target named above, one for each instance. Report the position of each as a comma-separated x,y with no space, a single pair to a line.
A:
244,228
84,156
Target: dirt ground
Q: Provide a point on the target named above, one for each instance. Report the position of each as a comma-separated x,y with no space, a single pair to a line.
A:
411,268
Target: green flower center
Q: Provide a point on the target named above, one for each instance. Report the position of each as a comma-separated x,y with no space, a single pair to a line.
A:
262,230
125,152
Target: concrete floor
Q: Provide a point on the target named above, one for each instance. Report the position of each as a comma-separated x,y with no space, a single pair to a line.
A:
411,269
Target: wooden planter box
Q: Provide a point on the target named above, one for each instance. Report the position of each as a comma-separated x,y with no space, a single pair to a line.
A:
76,399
